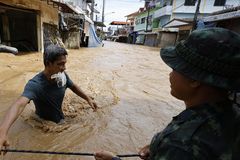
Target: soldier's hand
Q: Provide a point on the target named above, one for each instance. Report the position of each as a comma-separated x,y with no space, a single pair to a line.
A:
104,155
144,152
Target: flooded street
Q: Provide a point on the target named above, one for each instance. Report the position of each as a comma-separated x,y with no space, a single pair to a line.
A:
128,82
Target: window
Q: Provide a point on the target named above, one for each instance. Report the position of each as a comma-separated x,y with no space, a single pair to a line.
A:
219,2
164,3
137,21
143,20
190,2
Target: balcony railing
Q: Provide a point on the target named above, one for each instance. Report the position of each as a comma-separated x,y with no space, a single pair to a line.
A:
167,10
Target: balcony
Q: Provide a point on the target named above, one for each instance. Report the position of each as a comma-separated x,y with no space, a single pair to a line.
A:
166,10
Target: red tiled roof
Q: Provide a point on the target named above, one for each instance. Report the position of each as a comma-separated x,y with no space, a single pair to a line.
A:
132,14
118,23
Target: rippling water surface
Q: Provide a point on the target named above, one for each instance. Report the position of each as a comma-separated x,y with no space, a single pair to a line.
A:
129,83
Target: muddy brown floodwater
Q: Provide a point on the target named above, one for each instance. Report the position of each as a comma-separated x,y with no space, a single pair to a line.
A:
129,83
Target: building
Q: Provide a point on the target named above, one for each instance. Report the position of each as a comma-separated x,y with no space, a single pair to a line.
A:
185,9
71,25
23,23
174,12
118,31
144,24
228,18
87,9
163,22
132,35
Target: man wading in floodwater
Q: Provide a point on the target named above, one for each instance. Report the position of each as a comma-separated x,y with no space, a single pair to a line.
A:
206,68
47,91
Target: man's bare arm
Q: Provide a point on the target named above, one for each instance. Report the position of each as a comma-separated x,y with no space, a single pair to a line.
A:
77,90
12,114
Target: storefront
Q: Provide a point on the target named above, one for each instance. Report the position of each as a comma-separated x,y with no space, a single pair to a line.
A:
18,28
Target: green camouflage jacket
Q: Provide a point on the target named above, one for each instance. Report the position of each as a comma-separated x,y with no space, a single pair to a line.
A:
208,131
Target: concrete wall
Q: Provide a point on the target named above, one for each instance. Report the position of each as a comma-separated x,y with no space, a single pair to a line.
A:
73,40
45,14
178,10
167,10
206,6
142,26
163,21
80,3
48,14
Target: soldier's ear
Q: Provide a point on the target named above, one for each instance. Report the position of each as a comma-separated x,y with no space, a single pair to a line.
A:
195,84
48,63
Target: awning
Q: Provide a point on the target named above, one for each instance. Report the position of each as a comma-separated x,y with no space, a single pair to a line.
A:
174,23
88,19
147,33
169,30
68,8
64,7
221,17
76,9
119,23
99,24
74,16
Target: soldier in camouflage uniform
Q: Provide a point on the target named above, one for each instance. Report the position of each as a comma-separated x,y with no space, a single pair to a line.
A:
206,68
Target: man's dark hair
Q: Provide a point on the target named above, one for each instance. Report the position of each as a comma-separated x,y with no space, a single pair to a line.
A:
52,52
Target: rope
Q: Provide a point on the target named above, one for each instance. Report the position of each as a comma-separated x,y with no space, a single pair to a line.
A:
62,153
128,155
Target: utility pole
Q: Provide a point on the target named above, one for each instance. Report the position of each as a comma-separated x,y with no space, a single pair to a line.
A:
147,18
147,2
195,16
92,9
103,11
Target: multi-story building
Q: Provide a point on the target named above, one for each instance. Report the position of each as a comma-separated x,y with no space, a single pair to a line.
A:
228,18
181,12
83,4
144,22
131,20
185,9
144,18
150,23
87,33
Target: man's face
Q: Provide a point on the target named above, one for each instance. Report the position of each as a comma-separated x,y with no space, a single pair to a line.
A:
181,86
58,65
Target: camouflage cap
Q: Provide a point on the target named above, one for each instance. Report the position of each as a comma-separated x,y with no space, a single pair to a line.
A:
211,56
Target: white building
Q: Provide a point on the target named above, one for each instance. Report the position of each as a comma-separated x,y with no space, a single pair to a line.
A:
185,9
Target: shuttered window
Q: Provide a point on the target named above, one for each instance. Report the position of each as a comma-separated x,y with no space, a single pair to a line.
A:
219,2
190,2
